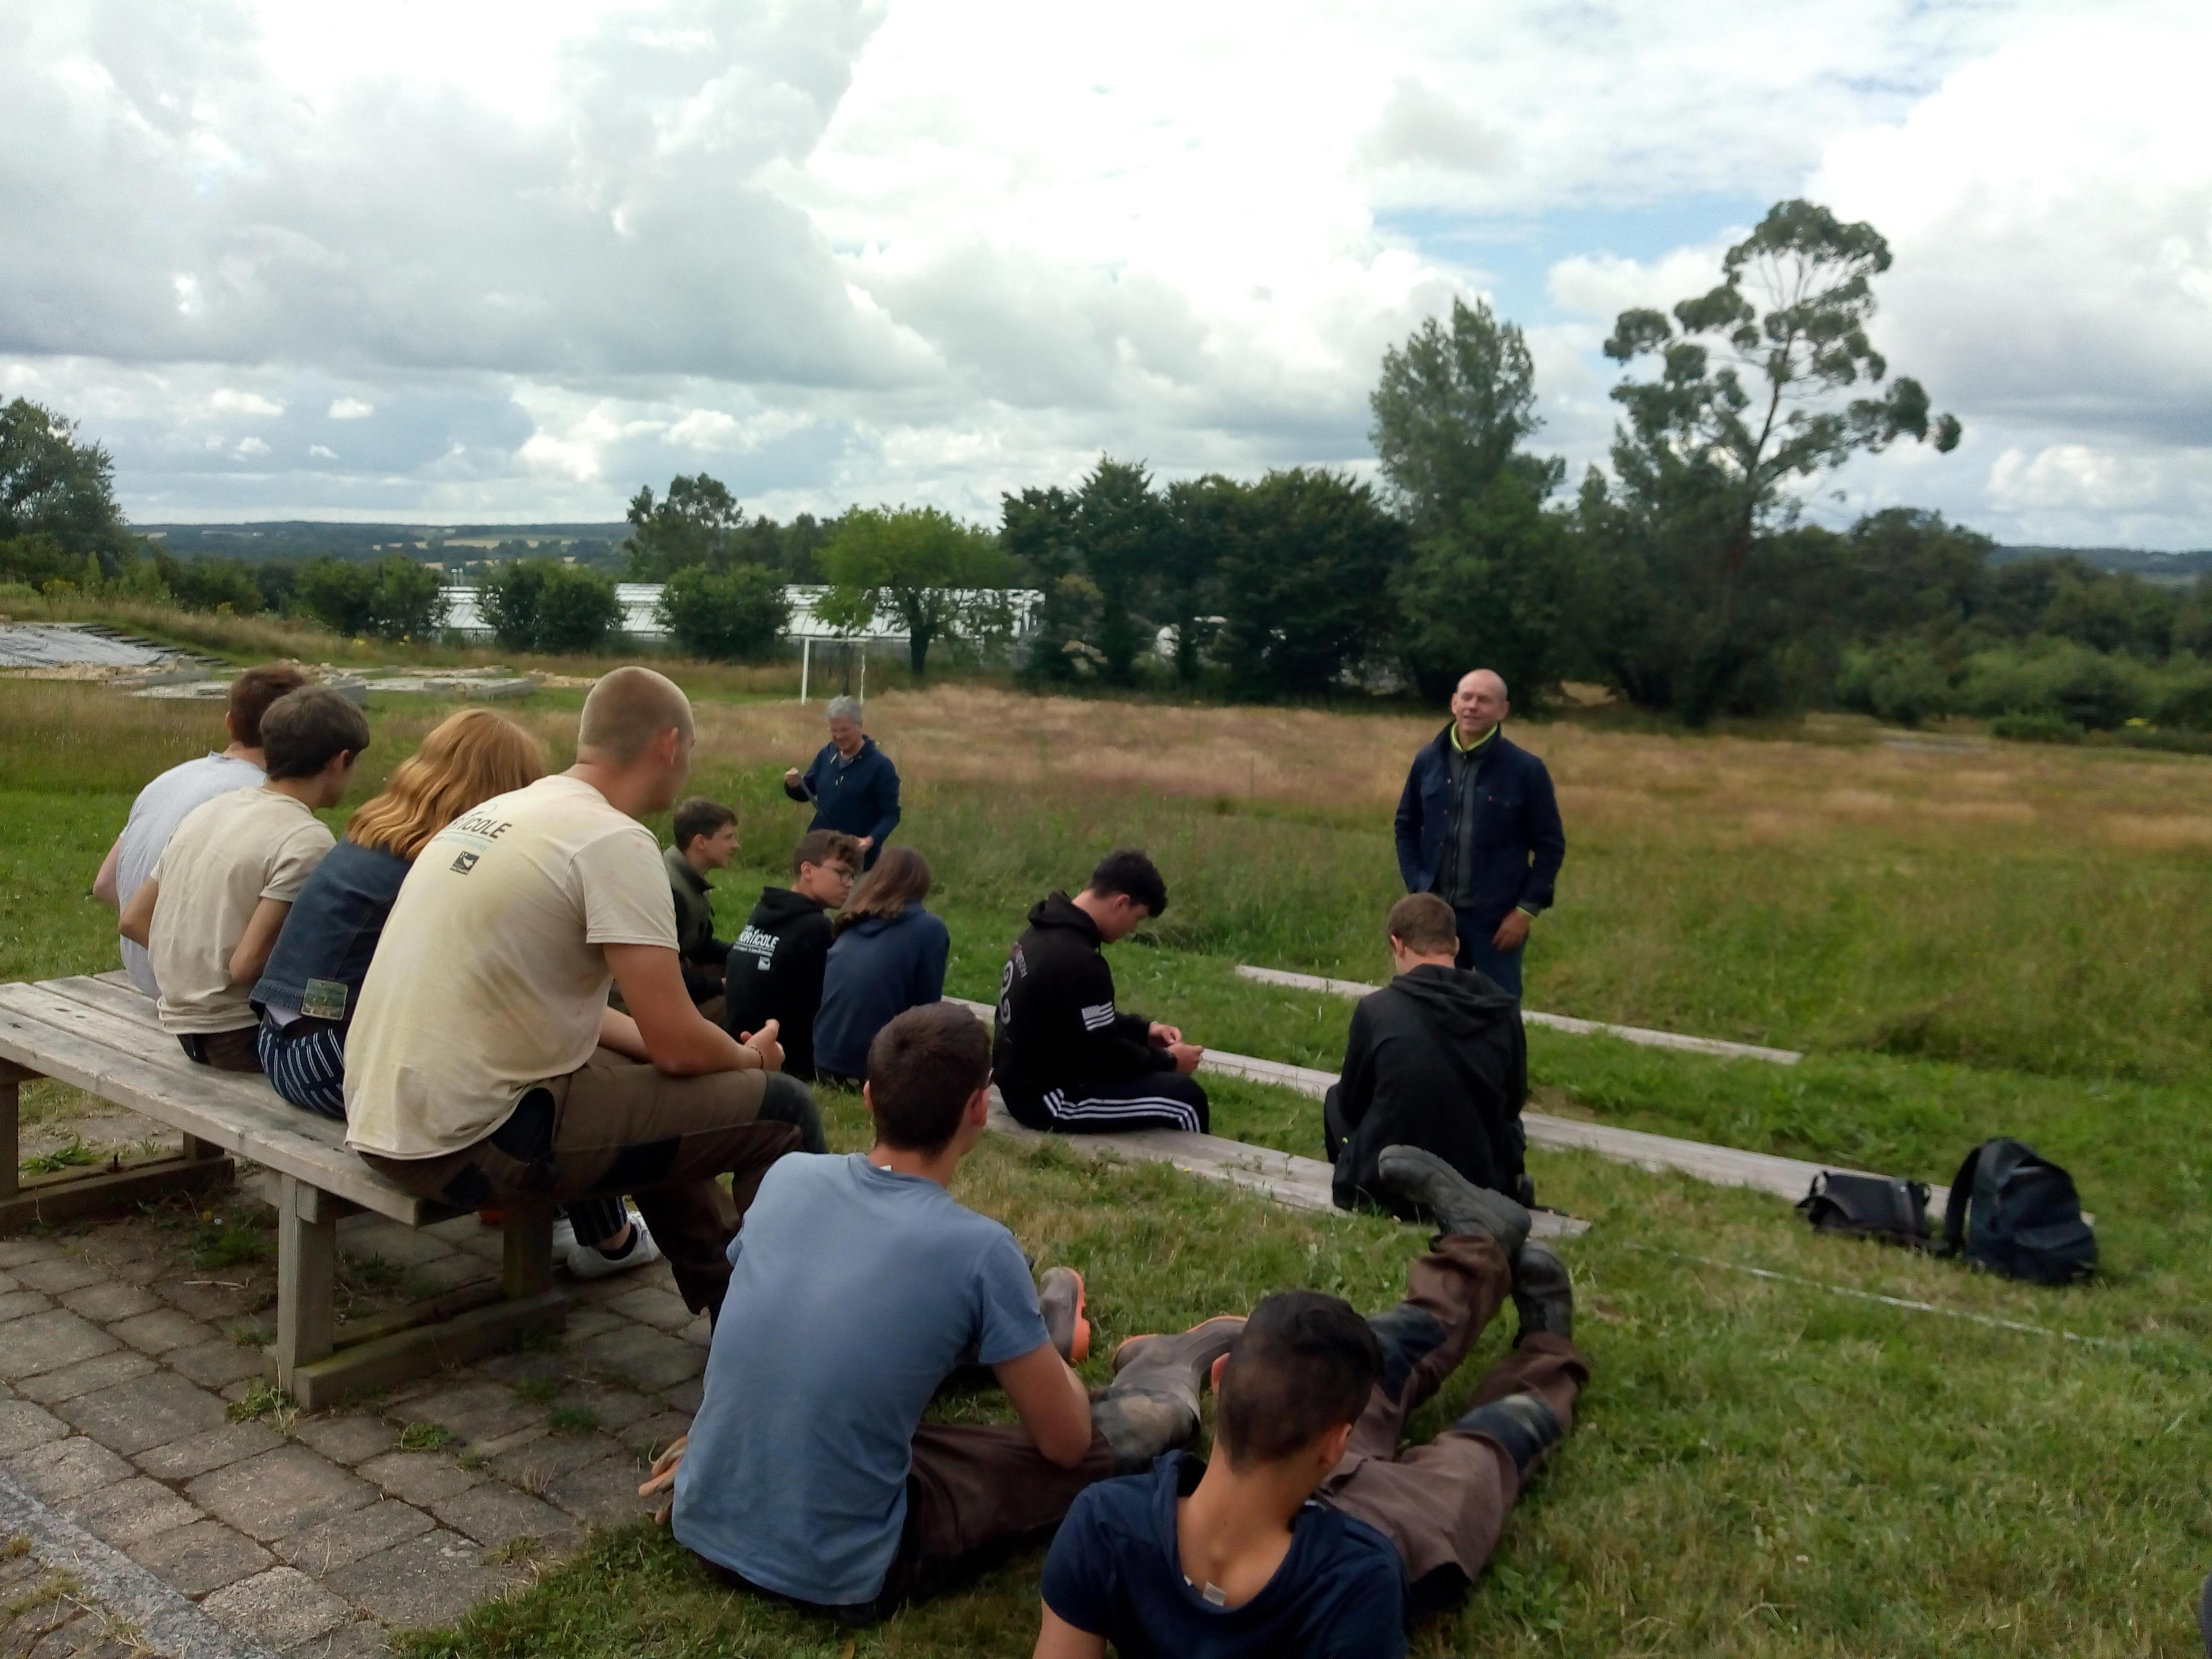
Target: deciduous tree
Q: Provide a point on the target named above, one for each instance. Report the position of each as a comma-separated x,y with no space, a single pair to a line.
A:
941,578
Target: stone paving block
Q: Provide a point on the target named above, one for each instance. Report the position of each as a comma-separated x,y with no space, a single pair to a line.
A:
280,1607
480,1410
685,1397
450,1272
109,1300
653,1304
362,1640
589,1321
217,1301
202,1556
146,1411
528,1364
280,1492
654,1435
604,1493
420,1477
9,1282
213,1365
700,1332
615,1406
16,1252
348,1437
23,1425
62,1469
493,1514
430,1580
322,1550
213,1448
68,1381
47,1342
129,1510
485,1243
55,1273
402,1245
162,1330
642,1357
534,1467
16,1303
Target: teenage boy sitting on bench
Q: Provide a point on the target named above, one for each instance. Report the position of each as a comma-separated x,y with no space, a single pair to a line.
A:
859,1286
1307,1533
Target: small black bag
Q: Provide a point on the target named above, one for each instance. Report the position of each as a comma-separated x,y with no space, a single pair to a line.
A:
1868,1206
2018,1214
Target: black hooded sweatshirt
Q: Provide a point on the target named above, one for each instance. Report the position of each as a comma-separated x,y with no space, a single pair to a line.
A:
1057,1022
775,972
1436,1059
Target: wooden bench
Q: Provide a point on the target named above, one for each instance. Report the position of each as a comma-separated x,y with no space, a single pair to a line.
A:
100,1035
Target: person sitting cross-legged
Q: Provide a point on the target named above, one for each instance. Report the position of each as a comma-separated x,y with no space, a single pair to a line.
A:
1307,1532
1436,1058
1066,1058
860,1286
485,1065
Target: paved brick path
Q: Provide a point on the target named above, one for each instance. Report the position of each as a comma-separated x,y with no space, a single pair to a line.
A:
119,1362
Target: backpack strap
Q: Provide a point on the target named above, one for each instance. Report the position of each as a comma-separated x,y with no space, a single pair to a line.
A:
1954,1206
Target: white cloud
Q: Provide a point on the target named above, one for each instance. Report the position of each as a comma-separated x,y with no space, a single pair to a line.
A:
839,249
228,400
250,449
322,452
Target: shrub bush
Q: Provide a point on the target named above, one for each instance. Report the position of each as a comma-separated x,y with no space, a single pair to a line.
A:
394,599
1898,681
2081,687
2188,702
737,615
543,605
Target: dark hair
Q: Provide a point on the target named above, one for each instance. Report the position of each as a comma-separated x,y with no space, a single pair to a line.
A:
699,816
1423,922
923,1069
1130,874
820,846
305,729
1304,1363
901,878
252,693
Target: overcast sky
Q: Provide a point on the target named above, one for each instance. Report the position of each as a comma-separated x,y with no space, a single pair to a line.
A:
442,259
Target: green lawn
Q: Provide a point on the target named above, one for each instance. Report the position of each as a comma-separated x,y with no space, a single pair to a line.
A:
1762,1466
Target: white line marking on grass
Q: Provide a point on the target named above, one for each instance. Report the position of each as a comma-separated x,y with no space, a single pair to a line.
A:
1637,1033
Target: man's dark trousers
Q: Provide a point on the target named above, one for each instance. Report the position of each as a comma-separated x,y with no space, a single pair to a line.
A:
1501,967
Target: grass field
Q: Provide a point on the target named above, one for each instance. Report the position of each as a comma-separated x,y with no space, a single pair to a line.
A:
1967,941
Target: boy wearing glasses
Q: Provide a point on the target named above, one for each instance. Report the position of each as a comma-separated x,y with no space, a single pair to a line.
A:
775,969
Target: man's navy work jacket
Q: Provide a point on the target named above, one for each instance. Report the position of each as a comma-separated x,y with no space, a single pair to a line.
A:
859,798
1519,842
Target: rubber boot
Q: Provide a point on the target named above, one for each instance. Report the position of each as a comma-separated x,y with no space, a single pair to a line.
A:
1543,1293
1423,1179
1152,1405
1521,1423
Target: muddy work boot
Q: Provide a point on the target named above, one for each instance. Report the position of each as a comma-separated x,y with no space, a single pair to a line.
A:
1060,1298
1152,1407
1426,1181
1543,1294
1521,1423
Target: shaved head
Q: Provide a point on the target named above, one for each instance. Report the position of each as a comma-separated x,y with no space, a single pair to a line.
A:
1485,679
626,711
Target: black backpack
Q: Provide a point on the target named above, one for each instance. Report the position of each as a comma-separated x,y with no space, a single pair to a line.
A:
1868,1206
2018,1214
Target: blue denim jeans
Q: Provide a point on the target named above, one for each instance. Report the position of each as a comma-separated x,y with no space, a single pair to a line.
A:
1476,951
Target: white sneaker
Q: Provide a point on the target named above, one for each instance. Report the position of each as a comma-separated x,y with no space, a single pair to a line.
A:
585,1262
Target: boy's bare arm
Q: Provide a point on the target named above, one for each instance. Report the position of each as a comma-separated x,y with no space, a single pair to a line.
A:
136,920
1052,1402
258,940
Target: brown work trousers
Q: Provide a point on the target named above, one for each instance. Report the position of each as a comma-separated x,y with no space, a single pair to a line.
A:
618,1126
1443,1505
227,1051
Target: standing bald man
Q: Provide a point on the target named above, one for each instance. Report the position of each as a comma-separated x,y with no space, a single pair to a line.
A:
1479,826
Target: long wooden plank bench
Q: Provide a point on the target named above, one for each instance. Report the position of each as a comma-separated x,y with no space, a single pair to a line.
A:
100,1035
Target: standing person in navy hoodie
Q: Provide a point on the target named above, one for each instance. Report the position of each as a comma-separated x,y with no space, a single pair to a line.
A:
888,956
1479,826
853,784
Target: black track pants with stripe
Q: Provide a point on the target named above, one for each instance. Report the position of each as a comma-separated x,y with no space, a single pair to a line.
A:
1159,1100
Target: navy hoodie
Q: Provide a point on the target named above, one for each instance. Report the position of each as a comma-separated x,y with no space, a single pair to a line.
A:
880,967
775,972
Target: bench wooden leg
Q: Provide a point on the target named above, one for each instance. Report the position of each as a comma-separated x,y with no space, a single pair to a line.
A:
118,1189
526,1260
307,1277
12,1078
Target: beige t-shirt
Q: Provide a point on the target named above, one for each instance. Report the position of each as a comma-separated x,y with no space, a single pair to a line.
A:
489,977
227,856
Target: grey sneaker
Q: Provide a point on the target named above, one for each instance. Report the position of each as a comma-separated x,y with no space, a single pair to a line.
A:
1543,1293
1421,1178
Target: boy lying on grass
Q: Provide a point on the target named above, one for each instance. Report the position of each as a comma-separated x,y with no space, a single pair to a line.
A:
858,1287
1308,1533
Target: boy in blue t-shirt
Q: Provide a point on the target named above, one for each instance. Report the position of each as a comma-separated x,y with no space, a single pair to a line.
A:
858,1286
1307,1533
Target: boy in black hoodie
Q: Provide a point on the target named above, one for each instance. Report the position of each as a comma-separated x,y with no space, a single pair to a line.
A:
1065,1057
775,969
1437,1060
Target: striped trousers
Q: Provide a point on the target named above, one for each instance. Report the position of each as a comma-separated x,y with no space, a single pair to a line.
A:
1158,1100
